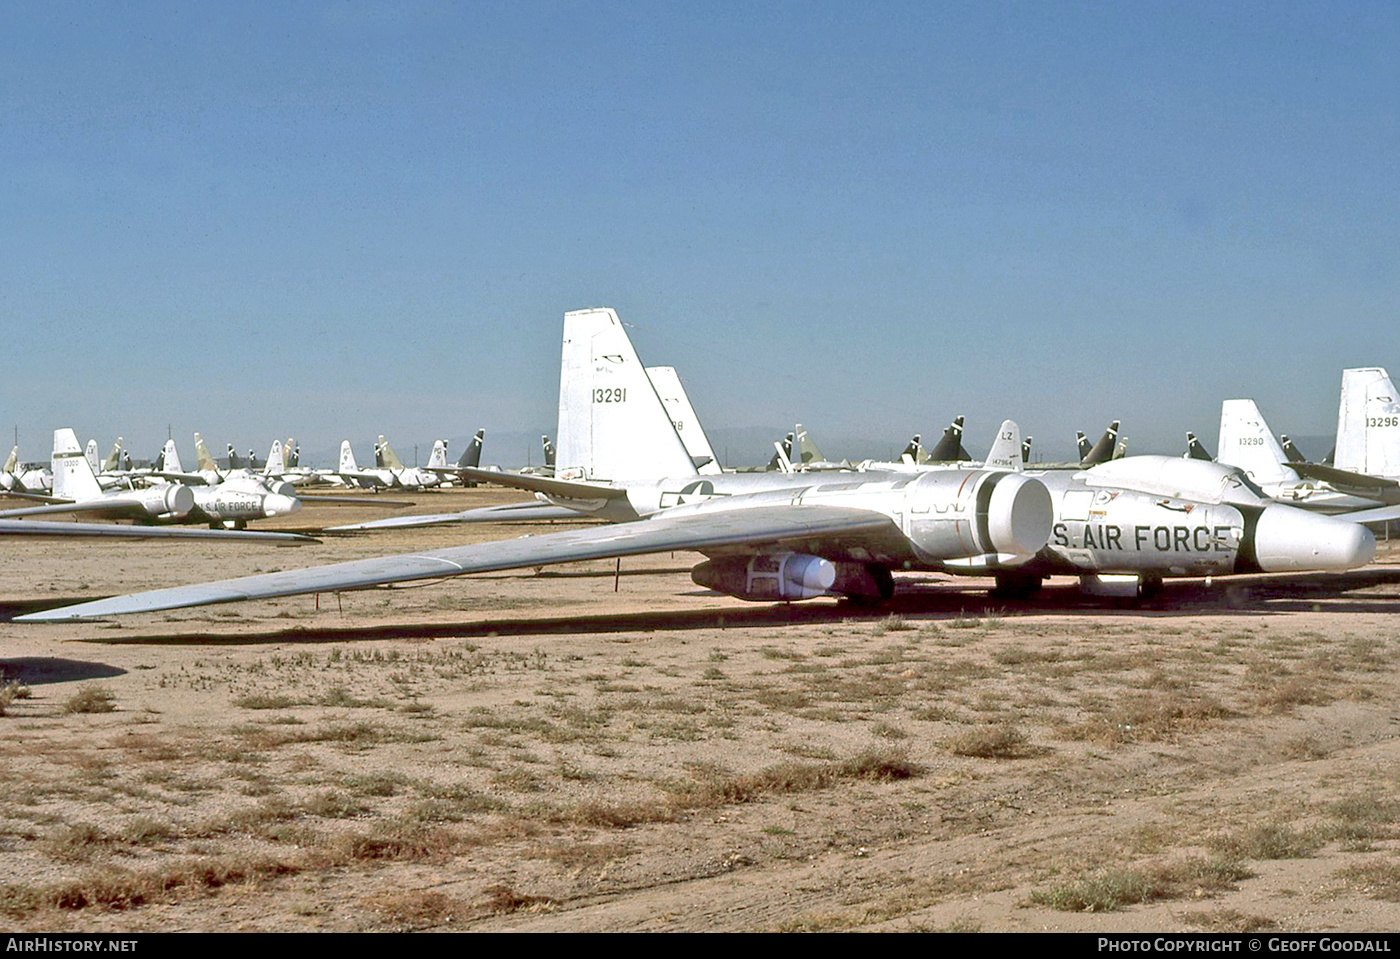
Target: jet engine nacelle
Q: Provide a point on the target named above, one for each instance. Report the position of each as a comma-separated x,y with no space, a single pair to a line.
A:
775,577
173,500
951,514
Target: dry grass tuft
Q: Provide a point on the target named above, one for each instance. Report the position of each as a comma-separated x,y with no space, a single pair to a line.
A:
91,698
1379,879
1197,878
503,900
1002,741
11,691
1267,841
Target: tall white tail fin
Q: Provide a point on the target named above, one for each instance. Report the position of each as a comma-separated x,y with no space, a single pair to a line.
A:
1005,453
1245,441
1368,424
12,462
439,455
202,457
347,458
276,464
91,454
73,476
171,459
612,424
672,392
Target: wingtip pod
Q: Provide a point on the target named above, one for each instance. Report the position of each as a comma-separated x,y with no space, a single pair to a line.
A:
1288,539
1020,514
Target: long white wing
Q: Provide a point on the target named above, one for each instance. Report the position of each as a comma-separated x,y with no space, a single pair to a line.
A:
112,507
757,527
506,513
29,527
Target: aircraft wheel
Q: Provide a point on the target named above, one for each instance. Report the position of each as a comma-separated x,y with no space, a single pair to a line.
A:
1017,585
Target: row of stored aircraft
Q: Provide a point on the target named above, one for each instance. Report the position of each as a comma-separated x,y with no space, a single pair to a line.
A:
1120,526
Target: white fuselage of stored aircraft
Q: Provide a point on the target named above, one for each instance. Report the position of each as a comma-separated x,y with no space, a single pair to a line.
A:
1166,516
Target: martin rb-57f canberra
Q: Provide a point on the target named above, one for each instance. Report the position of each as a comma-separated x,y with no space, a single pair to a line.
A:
768,537
1120,526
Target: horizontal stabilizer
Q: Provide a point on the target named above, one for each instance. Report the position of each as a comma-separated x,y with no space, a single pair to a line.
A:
566,489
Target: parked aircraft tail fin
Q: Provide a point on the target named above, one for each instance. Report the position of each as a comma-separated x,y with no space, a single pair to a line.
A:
347,458
438,457
612,424
1245,441
782,456
90,451
12,461
471,456
113,461
276,462
1005,453
1026,449
391,459
1291,451
672,392
950,448
1103,450
549,451
804,449
203,459
170,458
1368,424
73,476
914,454
1194,449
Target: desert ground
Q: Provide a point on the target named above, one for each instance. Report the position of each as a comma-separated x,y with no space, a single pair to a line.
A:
578,749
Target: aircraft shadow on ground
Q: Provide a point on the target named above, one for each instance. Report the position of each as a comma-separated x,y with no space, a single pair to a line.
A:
932,601
40,670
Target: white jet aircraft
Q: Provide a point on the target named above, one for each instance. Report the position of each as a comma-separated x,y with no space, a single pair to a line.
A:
768,537
1163,506
76,490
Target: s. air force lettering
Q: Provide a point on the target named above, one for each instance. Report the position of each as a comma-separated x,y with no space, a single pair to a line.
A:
1202,542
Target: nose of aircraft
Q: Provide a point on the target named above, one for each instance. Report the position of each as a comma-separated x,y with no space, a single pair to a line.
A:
276,504
1288,538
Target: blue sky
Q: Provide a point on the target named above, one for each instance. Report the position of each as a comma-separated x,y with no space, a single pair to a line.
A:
342,219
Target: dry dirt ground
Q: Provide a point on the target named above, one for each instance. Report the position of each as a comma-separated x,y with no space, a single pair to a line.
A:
570,750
